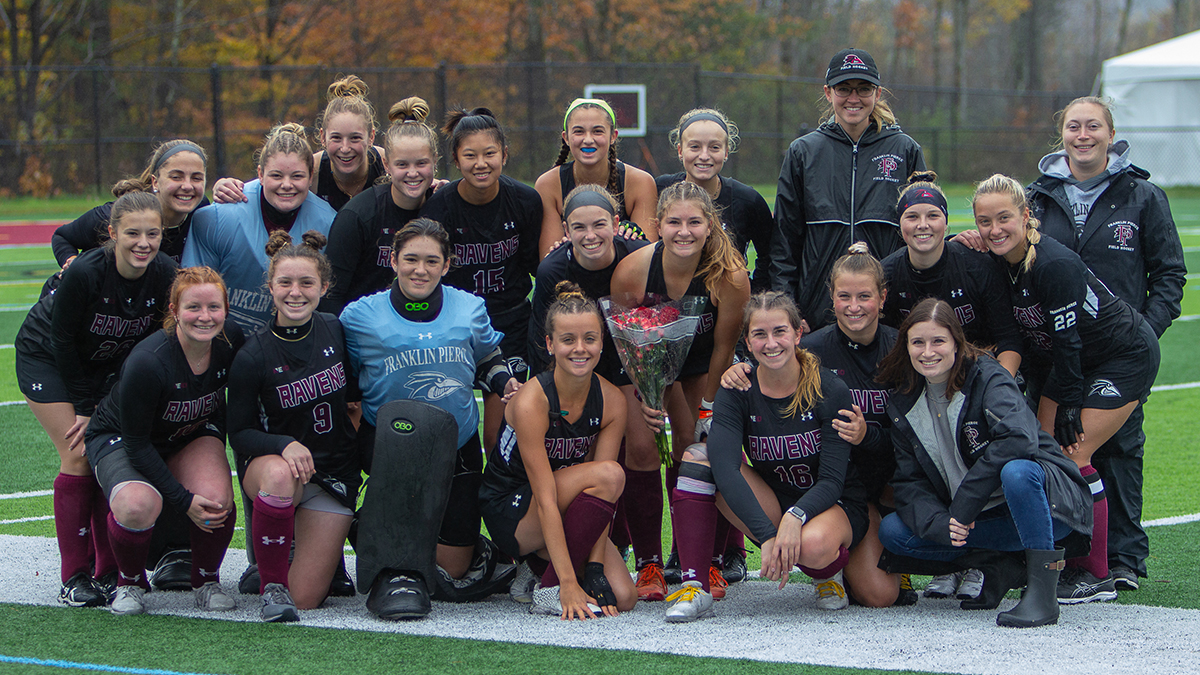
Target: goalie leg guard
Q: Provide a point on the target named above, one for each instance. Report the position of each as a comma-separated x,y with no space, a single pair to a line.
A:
414,456
487,575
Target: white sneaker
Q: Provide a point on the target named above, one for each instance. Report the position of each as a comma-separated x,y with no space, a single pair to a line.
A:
831,593
212,598
546,601
943,586
971,585
690,603
522,586
129,600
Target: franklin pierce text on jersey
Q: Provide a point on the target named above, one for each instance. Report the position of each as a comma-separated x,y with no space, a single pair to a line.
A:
426,357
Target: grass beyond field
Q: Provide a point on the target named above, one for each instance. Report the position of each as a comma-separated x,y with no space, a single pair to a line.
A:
206,646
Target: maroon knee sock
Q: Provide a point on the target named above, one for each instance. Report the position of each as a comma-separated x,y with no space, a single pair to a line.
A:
620,532
832,568
643,513
735,539
586,519
130,548
208,549
720,536
1096,561
105,562
73,522
698,513
272,527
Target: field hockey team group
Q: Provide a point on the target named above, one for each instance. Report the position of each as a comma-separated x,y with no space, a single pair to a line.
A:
878,400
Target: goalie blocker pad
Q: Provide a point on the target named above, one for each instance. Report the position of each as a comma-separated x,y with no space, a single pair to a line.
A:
414,457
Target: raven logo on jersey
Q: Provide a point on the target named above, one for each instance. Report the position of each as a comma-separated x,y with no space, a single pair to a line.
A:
432,386
1105,388
517,365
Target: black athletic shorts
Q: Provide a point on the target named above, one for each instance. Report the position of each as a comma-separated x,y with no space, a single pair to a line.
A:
1118,381
502,512
39,379
853,503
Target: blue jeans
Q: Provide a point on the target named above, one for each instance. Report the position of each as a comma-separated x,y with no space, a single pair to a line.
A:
1028,525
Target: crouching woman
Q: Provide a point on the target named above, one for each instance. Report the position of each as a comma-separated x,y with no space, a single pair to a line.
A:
976,476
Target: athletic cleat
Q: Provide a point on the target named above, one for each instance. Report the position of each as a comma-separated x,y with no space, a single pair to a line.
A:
691,603
1124,578
277,605
831,593
129,600
971,585
174,571
340,586
735,565
716,583
1078,585
672,572
212,598
108,586
546,601
943,586
250,583
651,587
397,596
81,591
907,595
522,586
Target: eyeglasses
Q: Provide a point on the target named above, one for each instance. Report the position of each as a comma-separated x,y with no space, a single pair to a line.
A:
864,90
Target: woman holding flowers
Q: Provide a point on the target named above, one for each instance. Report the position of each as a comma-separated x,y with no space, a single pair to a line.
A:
693,257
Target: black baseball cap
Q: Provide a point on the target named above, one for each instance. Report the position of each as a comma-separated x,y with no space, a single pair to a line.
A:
852,64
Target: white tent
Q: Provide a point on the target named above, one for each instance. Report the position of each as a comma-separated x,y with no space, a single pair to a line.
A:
1156,103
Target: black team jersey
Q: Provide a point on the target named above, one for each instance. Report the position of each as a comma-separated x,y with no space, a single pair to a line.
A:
90,231
561,265
283,391
360,246
495,244
699,356
94,319
802,458
327,187
158,406
857,365
746,218
567,443
968,281
1070,319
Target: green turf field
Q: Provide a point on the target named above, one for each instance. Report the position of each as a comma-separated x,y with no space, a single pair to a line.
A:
1172,451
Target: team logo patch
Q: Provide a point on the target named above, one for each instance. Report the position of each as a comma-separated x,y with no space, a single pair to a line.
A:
971,432
1105,388
517,365
1123,233
888,165
432,386
853,62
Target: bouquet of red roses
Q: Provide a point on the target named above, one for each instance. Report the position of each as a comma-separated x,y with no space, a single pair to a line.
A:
652,342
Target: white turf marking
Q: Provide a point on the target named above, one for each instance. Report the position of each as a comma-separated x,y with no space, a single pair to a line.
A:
8,346
1173,520
23,495
25,520
1173,387
4,403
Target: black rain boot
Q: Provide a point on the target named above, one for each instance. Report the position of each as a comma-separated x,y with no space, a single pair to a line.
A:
1039,603
1001,573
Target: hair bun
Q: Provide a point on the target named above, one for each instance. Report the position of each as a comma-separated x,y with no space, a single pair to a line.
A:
859,248
922,177
278,240
127,185
568,289
350,85
314,240
411,109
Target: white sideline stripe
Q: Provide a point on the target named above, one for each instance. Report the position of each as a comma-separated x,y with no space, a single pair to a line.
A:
1173,387
4,403
23,495
25,520
1173,520
1188,317
8,346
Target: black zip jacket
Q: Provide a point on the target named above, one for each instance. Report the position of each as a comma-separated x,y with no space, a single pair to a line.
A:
1129,241
994,426
826,183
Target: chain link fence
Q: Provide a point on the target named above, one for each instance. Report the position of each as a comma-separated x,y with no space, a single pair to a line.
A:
95,125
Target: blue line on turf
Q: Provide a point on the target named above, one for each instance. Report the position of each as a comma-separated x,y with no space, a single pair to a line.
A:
87,666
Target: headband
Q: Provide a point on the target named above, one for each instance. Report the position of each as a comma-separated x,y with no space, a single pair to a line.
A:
599,103
588,198
700,117
921,195
176,149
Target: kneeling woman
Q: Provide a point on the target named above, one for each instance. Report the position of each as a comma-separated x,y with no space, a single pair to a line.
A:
159,436
801,501
295,452
560,502
975,473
